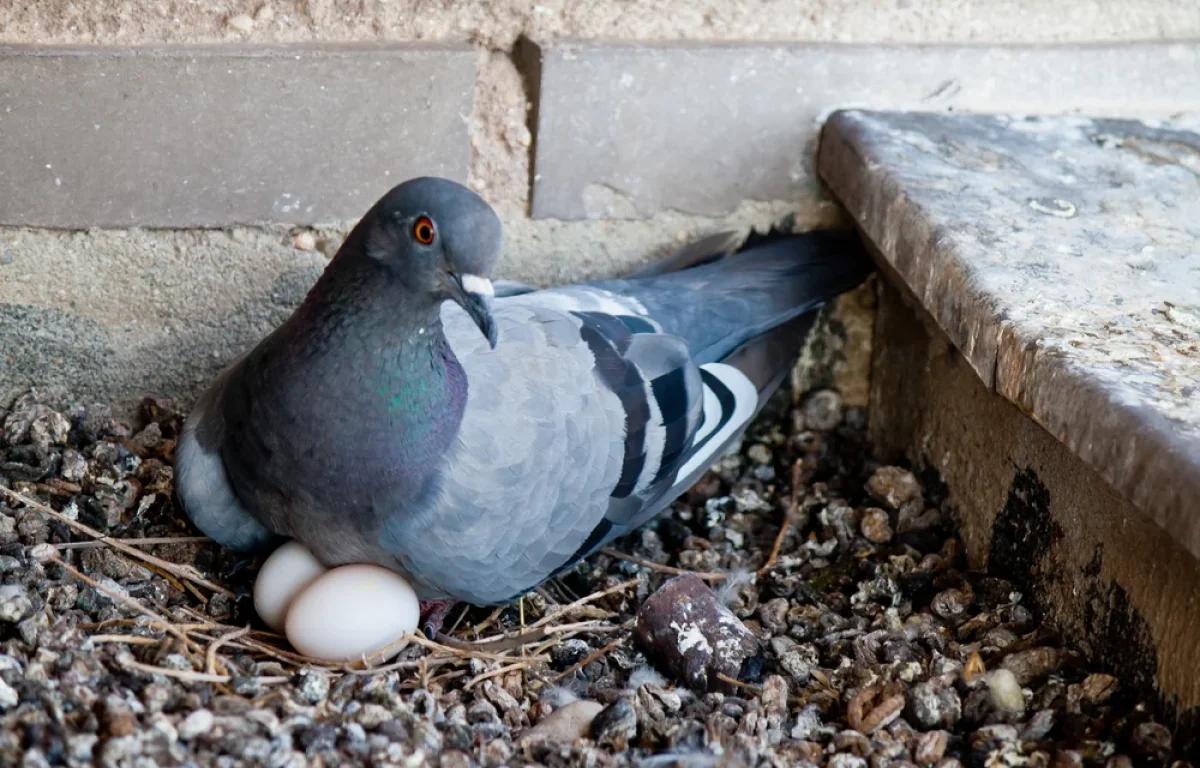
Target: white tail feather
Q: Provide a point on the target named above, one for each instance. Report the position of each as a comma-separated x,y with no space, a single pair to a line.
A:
721,420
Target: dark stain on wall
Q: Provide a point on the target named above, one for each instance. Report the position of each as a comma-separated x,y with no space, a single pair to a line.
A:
1114,633
1022,536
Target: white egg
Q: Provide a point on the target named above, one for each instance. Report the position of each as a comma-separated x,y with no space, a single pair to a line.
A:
284,575
352,611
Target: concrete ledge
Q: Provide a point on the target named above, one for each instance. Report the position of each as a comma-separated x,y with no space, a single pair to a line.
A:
1100,571
1037,349
627,130
1059,256
212,136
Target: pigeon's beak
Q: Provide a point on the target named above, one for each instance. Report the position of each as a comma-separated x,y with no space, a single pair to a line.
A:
475,296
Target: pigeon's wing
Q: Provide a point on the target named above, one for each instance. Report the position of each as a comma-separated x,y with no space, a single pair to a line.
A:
202,486
579,417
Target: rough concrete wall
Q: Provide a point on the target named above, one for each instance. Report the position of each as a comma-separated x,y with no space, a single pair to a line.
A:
115,314
500,136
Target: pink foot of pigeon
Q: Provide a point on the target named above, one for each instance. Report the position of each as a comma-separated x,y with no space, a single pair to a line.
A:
433,615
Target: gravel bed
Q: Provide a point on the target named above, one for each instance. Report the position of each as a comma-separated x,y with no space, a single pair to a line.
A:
870,643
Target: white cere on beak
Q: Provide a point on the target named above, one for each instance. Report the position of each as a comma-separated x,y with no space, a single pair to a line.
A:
478,285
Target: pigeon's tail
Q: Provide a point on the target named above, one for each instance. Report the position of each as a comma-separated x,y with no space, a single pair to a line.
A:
745,315
702,251
718,299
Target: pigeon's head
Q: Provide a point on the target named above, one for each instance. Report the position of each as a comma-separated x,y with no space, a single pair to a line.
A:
440,239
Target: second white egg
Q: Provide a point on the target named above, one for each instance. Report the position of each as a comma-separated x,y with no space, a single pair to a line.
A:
284,575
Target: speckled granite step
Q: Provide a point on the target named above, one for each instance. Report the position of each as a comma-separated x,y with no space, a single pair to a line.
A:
1062,258
1037,347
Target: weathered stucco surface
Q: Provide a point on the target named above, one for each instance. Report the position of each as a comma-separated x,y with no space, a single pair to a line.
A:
116,314
498,23
1061,256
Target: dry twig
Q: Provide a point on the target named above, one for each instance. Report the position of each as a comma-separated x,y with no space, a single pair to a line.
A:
589,659
520,665
788,520
491,619
756,690
127,639
197,677
147,542
570,607
519,639
400,665
663,568
185,572
128,602
463,653
210,657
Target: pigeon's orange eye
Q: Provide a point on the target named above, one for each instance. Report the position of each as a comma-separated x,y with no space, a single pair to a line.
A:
423,230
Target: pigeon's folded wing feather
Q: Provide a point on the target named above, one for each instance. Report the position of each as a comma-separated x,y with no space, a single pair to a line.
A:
584,419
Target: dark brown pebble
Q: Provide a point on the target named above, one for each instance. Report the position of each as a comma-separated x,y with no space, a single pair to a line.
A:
1152,740
1033,664
686,628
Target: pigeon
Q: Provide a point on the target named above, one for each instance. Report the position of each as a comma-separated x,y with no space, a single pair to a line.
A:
480,438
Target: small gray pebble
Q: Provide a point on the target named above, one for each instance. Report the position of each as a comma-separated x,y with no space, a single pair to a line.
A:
313,685
8,697
934,705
